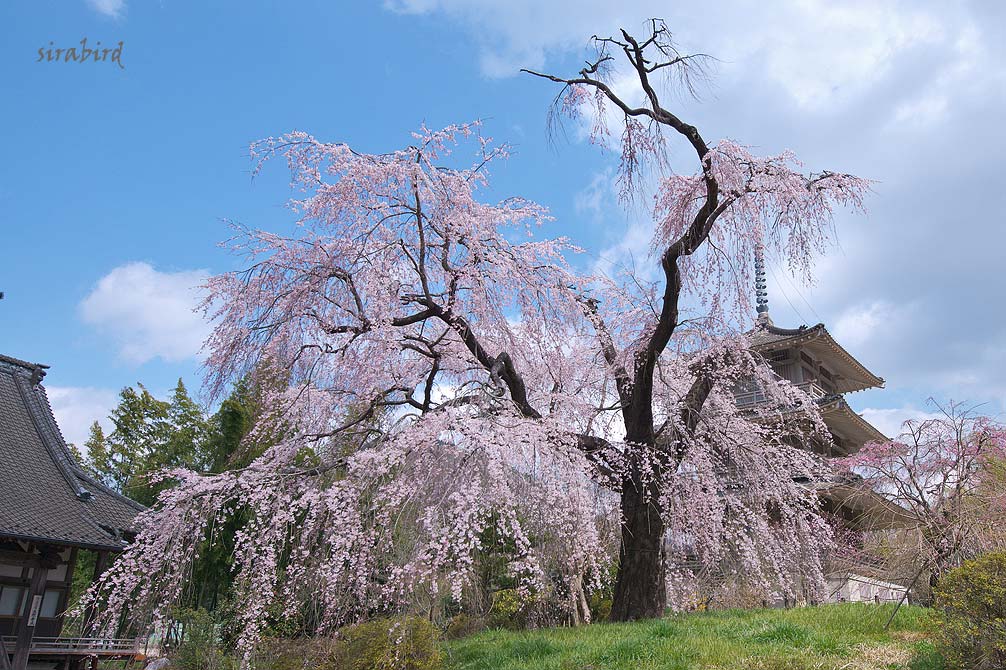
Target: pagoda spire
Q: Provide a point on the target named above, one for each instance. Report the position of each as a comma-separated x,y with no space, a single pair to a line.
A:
761,287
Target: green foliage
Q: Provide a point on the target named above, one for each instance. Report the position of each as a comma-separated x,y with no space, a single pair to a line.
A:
971,601
149,435
152,434
462,625
784,633
792,663
927,657
199,648
599,601
316,653
514,611
828,637
225,446
405,643
600,607
507,605
408,643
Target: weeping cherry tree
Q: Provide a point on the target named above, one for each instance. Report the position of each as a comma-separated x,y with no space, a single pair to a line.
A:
450,372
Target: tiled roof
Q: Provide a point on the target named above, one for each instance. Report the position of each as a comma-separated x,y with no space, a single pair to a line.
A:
835,410
767,333
44,494
863,507
766,336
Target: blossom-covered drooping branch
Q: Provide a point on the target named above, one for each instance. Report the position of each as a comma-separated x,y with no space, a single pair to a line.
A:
706,228
447,373
945,474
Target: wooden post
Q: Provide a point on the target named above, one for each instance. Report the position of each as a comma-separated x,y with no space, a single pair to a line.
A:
100,565
4,661
27,622
64,596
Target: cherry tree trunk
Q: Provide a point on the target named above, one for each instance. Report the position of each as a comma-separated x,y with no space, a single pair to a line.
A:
640,588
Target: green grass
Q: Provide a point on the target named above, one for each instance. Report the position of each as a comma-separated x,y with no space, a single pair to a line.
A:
831,637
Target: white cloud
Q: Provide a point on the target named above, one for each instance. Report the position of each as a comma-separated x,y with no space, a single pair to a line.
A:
77,407
147,313
599,192
815,50
822,51
630,253
889,421
908,93
859,324
923,111
112,8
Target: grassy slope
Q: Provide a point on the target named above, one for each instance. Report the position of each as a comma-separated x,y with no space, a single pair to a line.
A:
831,637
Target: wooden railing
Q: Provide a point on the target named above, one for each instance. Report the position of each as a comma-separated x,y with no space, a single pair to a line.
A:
757,396
76,646
813,389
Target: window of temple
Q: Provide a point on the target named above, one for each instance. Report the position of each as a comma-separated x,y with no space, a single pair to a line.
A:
10,597
49,604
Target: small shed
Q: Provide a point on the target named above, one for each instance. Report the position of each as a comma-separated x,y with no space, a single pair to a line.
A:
49,510
849,587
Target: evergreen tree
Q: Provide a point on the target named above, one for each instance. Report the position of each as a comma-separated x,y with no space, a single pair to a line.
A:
96,463
149,436
189,433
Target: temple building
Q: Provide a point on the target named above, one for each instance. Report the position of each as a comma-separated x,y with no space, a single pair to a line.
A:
810,358
50,510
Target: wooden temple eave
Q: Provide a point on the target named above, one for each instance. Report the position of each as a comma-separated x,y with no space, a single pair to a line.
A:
850,430
862,507
851,374
49,510
854,375
856,430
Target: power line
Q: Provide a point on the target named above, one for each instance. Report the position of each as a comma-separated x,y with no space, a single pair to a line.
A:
800,294
783,291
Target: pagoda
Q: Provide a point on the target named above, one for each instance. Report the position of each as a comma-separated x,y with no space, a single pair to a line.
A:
811,359
50,509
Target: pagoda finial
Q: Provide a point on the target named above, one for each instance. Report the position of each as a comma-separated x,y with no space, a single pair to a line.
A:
761,288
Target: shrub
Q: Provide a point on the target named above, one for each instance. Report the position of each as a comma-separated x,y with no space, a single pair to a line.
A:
407,643
463,625
971,601
600,607
199,648
305,653
506,603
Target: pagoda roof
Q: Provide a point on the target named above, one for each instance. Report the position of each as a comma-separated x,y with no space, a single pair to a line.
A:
850,374
45,496
842,419
862,507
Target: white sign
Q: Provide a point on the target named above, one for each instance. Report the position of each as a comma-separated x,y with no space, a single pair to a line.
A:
36,605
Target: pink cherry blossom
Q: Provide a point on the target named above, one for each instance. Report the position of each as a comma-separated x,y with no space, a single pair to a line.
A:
449,371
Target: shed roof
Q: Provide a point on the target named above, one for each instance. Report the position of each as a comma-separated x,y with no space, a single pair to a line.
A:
45,496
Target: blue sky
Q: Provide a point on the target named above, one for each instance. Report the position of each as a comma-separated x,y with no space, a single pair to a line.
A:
116,180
